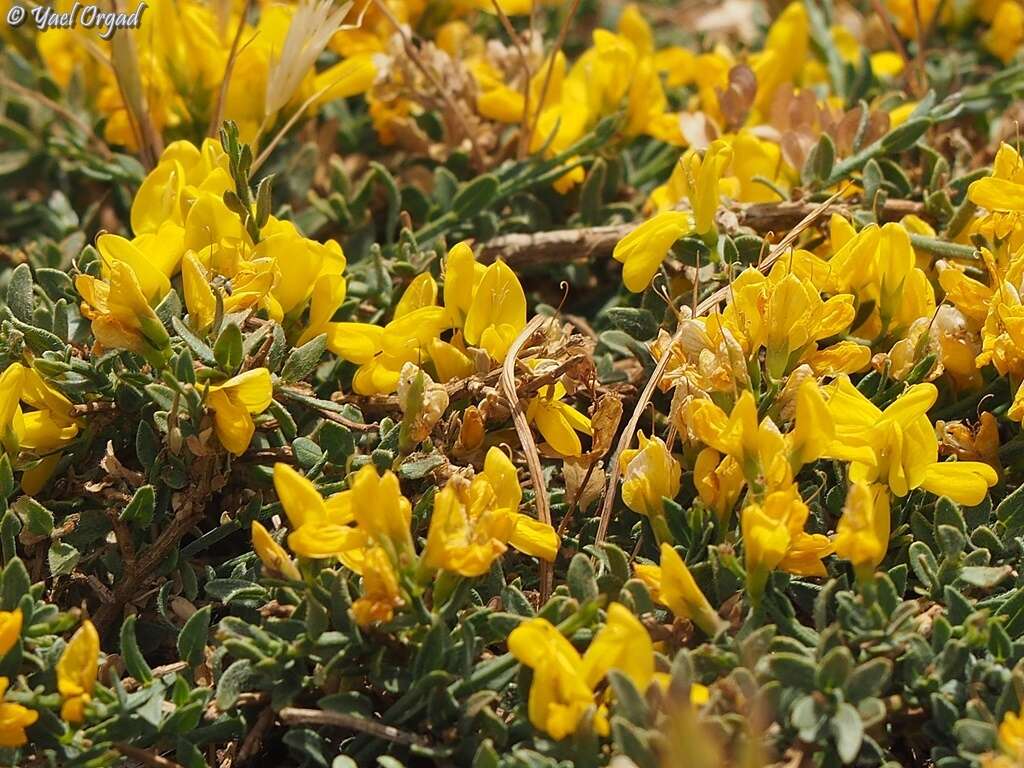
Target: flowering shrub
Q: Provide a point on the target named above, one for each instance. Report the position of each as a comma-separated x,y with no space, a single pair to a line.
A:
502,383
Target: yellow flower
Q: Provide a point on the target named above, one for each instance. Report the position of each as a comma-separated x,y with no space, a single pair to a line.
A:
672,584
898,446
642,250
349,77
200,299
10,630
76,672
862,535
121,315
321,528
774,537
422,292
42,431
498,311
14,719
468,531
559,694
381,594
235,402
462,275
563,682
474,522
274,557
758,448
701,176
719,481
649,474
1011,734
383,512
1003,191
558,422
913,16
785,314
878,265
784,54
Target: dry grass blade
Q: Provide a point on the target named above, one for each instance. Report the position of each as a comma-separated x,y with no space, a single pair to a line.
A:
124,59
531,127
299,716
311,28
507,382
229,68
705,306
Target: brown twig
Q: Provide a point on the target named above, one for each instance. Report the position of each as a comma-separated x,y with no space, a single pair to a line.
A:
543,249
299,716
507,383
705,306
131,684
144,756
139,572
254,737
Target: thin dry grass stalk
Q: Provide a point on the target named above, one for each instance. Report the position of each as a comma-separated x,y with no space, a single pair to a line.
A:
507,383
703,308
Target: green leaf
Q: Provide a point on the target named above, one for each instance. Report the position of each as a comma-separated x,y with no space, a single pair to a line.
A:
592,193
629,702
140,508
62,558
307,745
1010,513
848,731
905,136
16,584
633,743
835,668
475,196
199,347
430,655
793,670
819,161
582,584
233,682
134,661
6,476
638,323
192,638
228,349
306,452
868,680
975,736
37,518
19,293
303,360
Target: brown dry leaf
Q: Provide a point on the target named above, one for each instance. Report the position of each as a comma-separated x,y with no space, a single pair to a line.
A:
575,473
737,98
698,129
605,423
116,470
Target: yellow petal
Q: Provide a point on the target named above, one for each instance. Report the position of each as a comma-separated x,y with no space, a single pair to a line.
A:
299,498
534,538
